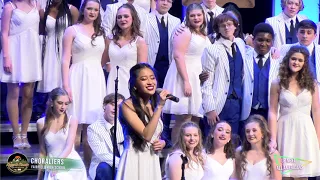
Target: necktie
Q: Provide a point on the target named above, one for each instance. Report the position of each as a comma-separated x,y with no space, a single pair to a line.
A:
260,62
292,30
114,144
233,48
210,24
162,22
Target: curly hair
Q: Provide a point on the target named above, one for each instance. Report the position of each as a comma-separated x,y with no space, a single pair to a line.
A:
98,30
181,145
135,26
209,145
246,146
139,143
305,78
203,26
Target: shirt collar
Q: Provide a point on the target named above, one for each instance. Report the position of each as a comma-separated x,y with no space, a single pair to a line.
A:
159,16
266,56
310,48
288,19
227,43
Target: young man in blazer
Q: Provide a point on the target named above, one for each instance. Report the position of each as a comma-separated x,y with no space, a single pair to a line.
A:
211,10
225,61
109,18
306,35
285,24
160,27
263,69
100,139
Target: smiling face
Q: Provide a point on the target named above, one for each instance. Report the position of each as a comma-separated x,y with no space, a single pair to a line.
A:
146,82
262,43
191,137
296,62
253,133
222,133
292,8
91,11
124,18
196,18
60,105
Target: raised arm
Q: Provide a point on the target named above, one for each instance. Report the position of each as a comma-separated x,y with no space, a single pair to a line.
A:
43,153
68,38
135,122
273,112
316,110
73,125
180,45
142,50
5,26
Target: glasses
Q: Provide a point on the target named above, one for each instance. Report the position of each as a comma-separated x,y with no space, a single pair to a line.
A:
226,25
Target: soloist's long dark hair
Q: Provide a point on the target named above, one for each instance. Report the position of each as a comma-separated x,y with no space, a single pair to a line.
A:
139,142
63,20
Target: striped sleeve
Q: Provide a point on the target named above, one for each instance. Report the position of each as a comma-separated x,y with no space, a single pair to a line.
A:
99,148
208,63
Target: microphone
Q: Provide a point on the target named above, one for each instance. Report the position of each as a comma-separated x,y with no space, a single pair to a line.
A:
169,96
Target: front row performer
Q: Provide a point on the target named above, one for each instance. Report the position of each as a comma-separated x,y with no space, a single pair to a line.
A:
254,160
140,119
100,139
294,132
56,133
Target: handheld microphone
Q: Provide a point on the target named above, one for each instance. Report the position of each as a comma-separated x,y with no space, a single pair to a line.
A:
169,96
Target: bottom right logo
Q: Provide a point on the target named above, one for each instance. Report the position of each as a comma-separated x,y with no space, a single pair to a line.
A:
288,164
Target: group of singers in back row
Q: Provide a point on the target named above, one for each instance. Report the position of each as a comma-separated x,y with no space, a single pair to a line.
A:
262,87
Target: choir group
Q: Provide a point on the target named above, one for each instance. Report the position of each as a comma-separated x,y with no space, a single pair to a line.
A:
255,96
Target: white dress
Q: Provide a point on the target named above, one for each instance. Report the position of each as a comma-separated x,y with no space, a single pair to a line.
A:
174,83
125,57
24,47
51,75
87,81
137,165
194,172
257,171
214,170
296,134
55,144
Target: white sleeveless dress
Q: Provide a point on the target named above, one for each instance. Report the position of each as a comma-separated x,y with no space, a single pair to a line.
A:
214,170
87,81
194,172
296,134
137,165
125,57
55,144
51,76
174,83
24,47
257,171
